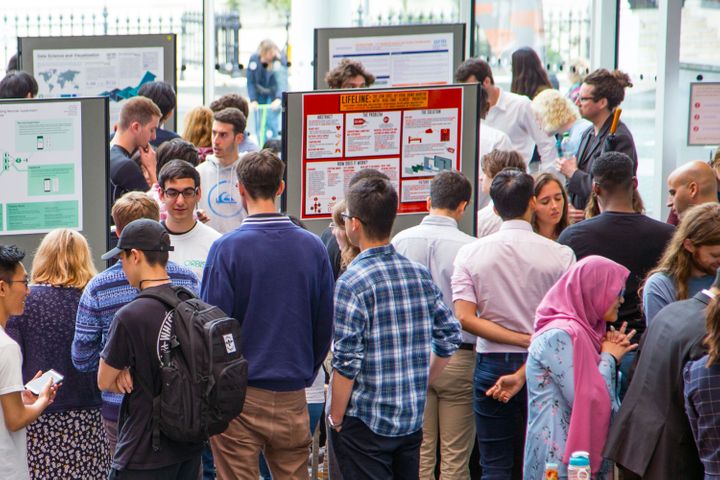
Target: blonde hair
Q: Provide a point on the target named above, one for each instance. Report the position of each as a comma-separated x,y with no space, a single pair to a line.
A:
198,127
132,206
553,111
348,253
63,258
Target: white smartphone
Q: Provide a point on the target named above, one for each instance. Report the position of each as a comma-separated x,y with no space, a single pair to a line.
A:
36,386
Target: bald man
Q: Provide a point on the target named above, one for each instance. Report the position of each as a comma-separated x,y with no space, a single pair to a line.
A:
691,184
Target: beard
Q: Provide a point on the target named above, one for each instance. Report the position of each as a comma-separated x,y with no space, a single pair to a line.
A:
706,269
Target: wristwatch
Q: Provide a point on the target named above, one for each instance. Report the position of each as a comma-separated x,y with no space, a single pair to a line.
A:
331,423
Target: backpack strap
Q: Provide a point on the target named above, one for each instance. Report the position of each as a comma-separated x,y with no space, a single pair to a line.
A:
155,421
171,298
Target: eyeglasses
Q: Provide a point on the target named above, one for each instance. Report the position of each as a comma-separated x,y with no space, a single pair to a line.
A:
347,216
24,281
622,293
586,99
172,193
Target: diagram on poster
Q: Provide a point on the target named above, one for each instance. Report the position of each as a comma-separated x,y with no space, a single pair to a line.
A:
372,133
430,141
324,136
326,182
41,170
117,73
399,60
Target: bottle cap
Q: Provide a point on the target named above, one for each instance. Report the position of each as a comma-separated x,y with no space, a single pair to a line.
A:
580,459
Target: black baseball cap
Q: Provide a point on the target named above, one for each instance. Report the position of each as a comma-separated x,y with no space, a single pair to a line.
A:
143,234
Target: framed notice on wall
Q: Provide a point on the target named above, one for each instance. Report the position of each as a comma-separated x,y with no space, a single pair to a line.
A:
410,134
704,117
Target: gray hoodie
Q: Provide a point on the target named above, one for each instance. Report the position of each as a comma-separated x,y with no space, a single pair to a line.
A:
220,197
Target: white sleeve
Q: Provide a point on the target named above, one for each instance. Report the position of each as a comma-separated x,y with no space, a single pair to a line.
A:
10,368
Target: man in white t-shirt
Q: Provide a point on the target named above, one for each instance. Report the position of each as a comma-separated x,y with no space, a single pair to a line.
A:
510,113
180,192
18,407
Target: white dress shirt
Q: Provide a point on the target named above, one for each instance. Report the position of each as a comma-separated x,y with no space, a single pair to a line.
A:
488,222
490,139
434,243
513,115
506,275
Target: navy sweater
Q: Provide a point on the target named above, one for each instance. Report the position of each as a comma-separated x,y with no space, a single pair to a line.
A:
276,279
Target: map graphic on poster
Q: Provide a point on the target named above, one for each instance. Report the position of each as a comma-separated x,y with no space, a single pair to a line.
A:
117,73
410,135
399,60
41,169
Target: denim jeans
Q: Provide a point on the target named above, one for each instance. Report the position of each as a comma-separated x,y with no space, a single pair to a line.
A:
500,426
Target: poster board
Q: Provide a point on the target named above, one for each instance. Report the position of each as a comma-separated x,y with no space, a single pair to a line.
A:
55,160
113,66
405,55
410,134
704,116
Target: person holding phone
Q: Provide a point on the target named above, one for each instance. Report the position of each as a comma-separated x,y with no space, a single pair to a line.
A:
68,440
18,408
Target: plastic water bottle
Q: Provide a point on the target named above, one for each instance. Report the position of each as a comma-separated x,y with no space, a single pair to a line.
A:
565,146
579,466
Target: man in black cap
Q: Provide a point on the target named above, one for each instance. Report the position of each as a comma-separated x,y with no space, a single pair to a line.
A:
139,331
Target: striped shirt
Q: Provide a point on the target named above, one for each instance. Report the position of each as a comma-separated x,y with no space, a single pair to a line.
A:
389,317
106,293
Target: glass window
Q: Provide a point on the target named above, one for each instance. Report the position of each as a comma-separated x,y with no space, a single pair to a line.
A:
184,17
557,31
637,56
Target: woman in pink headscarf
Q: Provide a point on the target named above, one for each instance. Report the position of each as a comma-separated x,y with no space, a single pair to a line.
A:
571,366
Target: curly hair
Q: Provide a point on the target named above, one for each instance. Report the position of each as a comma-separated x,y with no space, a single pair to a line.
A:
609,85
553,111
347,68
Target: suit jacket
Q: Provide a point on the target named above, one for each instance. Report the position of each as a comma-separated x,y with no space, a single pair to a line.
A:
591,146
651,435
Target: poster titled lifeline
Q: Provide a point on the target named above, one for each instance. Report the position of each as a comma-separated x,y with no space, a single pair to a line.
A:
410,135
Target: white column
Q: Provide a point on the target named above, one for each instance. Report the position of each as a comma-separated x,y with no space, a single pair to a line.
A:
668,134
465,15
604,25
208,51
306,16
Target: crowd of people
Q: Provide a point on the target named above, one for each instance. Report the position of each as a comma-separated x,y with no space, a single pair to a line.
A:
569,323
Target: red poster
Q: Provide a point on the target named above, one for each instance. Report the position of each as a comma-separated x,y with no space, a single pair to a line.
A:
408,134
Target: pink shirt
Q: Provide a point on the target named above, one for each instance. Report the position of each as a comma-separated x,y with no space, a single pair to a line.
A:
506,275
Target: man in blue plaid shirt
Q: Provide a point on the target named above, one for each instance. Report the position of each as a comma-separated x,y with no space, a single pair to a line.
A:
393,335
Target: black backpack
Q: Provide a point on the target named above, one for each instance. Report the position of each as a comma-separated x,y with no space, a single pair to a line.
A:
203,372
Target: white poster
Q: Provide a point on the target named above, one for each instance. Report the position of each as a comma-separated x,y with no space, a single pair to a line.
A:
415,190
324,136
326,182
372,133
430,141
41,171
117,73
399,60
704,124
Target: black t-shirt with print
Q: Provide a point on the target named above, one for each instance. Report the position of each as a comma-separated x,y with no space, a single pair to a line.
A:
138,333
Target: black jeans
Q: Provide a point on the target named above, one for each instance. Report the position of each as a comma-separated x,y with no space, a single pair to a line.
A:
187,470
363,454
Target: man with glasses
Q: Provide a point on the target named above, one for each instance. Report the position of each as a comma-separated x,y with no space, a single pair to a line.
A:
600,94
18,407
349,73
180,193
